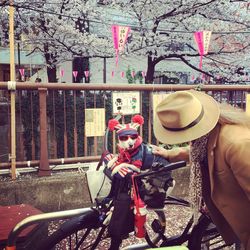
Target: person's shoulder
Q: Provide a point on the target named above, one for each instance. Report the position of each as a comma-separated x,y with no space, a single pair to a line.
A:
233,132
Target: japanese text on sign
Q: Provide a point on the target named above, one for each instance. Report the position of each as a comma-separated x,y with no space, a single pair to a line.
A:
94,122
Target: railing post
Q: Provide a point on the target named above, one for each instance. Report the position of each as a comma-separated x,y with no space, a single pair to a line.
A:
44,169
12,87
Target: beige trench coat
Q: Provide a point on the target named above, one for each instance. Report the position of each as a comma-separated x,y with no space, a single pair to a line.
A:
226,182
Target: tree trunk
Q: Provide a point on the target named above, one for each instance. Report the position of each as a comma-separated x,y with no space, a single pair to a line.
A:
51,62
51,73
150,71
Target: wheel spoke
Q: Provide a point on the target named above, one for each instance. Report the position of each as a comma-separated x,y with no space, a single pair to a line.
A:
83,238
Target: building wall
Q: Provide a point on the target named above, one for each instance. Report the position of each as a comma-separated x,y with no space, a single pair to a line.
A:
134,63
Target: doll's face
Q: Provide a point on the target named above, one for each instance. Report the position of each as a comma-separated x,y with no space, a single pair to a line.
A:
127,142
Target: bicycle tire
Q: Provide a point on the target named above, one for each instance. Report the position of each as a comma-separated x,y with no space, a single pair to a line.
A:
205,236
74,233
157,239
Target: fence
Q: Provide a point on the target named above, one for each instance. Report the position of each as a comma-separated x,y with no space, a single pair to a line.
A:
50,119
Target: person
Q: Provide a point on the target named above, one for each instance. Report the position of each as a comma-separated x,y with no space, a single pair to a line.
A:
218,151
129,208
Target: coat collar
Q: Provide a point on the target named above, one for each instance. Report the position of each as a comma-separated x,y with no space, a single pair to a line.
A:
212,142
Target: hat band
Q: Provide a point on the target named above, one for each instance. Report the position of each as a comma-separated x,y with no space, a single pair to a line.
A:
193,123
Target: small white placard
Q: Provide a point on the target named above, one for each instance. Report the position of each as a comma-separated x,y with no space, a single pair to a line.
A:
126,103
95,122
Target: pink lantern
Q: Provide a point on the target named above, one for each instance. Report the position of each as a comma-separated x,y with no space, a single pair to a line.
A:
143,74
112,73
120,35
21,72
122,74
62,73
86,73
75,73
192,78
202,39
133,74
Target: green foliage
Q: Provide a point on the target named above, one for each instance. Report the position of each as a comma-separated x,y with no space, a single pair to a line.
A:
167,146
131,79
139,77
199,87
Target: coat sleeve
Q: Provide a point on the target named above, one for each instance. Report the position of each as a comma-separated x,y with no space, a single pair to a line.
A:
179,154
237,156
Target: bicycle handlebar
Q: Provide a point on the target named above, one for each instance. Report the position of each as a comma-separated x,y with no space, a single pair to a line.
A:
165,168
169,167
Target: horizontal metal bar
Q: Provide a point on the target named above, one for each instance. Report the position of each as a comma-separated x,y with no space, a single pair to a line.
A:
118,86
60,161
52,167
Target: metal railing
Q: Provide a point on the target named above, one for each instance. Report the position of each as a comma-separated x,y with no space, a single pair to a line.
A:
50,119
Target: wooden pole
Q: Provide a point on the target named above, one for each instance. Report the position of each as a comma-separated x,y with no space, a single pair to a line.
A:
44,169
12,91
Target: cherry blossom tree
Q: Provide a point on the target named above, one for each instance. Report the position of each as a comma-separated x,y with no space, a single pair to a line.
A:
160,30
59,30
165,29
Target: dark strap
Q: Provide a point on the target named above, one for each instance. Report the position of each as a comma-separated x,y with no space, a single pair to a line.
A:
193,123
143,153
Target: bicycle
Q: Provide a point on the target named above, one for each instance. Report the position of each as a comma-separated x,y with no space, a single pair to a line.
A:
88,230
74,233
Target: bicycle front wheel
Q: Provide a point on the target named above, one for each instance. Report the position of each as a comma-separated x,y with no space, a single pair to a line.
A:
83,232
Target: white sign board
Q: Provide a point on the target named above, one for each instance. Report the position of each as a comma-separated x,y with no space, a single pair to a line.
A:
95,122
126,103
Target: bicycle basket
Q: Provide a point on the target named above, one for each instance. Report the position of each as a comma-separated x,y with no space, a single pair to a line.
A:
153,188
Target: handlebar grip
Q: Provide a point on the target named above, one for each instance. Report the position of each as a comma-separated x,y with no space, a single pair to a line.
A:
175,165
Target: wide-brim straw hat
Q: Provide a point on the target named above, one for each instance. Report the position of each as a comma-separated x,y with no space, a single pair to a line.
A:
184,116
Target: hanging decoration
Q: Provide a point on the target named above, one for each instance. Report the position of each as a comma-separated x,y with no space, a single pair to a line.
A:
202,39
75,73
61,72
22,73
112,73
143,74
120,35
122,74
133,74
86,73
